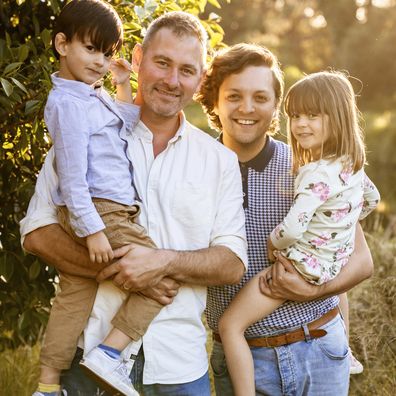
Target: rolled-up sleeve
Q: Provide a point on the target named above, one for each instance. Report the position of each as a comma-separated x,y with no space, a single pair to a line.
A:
229,227
42,210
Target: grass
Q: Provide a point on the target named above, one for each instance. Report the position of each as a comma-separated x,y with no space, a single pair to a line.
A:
19,371
372,334
372,317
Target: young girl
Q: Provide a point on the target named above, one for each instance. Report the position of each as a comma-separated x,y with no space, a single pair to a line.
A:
331,194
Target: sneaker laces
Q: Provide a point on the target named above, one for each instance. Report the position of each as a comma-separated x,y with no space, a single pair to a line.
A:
122,370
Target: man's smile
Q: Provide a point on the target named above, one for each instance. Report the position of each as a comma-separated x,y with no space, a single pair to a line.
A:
167,93
245,122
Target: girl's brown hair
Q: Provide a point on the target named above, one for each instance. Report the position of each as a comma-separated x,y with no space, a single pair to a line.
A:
330,93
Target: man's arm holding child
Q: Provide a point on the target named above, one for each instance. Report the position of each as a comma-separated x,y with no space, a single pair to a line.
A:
141,267
288,284
69,257
223,262
56,247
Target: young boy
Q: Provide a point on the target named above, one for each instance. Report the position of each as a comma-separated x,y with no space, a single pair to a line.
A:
96,194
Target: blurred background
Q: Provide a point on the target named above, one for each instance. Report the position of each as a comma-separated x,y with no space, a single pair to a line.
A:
357,36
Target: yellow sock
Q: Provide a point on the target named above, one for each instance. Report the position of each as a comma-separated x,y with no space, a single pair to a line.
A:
48,388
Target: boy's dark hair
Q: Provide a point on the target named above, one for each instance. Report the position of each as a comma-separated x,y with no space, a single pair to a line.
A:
95,20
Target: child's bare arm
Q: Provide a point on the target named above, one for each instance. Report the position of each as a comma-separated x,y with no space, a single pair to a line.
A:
121,72
99,248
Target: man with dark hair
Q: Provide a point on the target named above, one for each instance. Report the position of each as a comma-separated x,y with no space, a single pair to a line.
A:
193,213
241,94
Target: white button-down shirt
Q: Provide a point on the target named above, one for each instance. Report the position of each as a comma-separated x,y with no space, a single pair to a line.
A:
191,199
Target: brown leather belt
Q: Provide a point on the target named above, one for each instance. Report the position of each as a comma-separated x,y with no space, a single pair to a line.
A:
293,336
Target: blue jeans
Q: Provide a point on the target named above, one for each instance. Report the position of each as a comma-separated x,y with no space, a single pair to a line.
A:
77,383
199,387
316,367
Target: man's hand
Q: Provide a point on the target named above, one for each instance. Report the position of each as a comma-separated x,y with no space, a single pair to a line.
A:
139,267
99,248
164,291
286,283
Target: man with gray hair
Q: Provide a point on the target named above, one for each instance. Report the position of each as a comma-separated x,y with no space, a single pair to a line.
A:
191,200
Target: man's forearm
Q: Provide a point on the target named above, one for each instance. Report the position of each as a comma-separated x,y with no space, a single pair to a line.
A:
213,266
57,248
141,267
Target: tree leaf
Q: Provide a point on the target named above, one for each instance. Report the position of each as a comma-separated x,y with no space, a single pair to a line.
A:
7,86
6,268
31,106
46,37
132,26
214,3
12,67
34,270
23,53
19,84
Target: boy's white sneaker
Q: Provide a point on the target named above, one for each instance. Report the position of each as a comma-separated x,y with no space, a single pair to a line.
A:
111,374
355,366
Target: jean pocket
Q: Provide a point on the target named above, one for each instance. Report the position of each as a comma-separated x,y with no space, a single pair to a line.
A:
334,344
218,361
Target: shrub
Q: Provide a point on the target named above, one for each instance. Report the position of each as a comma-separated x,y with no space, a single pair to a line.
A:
26,63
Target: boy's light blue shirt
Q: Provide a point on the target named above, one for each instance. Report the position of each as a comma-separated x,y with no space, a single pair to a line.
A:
88,129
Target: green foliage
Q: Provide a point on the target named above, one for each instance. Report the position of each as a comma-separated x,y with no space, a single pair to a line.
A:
26,63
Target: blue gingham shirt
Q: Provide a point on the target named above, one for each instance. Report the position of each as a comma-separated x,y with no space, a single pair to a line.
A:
268,194
88,130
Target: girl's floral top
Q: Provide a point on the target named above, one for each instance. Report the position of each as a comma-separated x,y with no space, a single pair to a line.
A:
318,233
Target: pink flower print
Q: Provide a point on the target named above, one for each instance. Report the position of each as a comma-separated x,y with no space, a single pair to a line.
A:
322,190
344,262
325,278
345,175
321,240
368,184
278,231
339,214
342,254
303,218
311,261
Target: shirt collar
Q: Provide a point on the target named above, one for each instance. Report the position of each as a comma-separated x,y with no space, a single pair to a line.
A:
75,88
261,160
143,131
